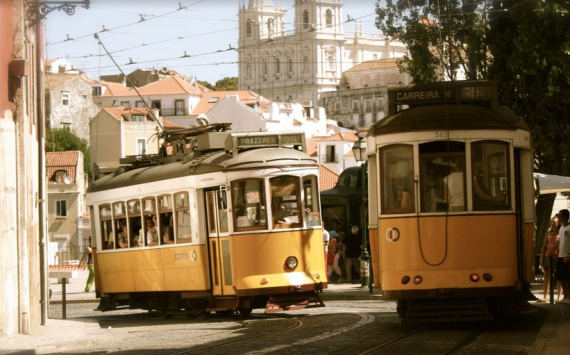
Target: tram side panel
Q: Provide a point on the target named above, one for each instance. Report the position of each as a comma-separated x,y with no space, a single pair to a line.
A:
181,268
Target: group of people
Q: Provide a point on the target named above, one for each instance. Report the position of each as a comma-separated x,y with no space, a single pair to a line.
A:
555,255
343,252
150,233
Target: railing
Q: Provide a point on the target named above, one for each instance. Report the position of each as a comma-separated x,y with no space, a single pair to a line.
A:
65,256
170,111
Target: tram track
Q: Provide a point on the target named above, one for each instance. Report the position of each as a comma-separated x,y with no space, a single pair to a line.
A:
437,341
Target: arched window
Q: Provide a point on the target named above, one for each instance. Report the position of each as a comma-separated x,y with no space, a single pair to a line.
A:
248,28
328,18
305,63
306,19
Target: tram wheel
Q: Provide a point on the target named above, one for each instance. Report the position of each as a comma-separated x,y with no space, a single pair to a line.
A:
245,312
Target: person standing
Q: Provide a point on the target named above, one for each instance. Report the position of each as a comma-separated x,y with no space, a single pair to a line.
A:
333,257
87,259
352,245
549,256
326,240
563,263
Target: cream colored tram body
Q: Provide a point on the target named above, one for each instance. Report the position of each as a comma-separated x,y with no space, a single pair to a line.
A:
219,221
451,201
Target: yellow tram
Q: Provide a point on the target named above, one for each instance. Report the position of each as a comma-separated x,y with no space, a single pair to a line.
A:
218,221
451,208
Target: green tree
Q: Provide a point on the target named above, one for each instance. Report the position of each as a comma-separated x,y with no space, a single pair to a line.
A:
206,84
524,45
227,84
62,140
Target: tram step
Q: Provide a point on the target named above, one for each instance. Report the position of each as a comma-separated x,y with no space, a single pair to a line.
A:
456,310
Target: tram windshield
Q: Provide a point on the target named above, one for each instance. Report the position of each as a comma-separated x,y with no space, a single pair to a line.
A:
397,179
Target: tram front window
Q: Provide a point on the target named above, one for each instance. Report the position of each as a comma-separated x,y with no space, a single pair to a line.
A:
398,193
248,201
442,176
285,201
490,178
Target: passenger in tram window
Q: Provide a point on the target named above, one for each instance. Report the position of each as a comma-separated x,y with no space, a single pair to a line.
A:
122,235
168,232
280,215
454,193
312,218
151,233
481,196
110,244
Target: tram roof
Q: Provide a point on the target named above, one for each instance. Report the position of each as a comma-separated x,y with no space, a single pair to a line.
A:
449,116
217,161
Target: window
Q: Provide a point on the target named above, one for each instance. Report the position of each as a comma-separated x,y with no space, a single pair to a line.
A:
213,99
155,104
328,18
179,108
165,220
97,91
285,202
134,221
126,104
277,66
290,64
248,28
490,178
61,208
442,178
248,205
182,218
59,176
265,67
107,235
141,146
65,97
138,118
311,196
397,179
331,154
66,126
139,104
150,229
305,19
270,27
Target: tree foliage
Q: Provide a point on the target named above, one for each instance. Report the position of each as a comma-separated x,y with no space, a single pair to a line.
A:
227,84
524,45
63,140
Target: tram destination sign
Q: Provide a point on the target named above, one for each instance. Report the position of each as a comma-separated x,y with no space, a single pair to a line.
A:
264,140
442,93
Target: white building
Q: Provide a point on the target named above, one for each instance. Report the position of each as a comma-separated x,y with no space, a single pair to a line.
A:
311,60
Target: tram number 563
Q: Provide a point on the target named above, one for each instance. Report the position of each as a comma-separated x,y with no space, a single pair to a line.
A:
441,135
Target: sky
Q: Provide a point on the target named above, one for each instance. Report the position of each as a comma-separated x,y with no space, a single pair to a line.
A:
192,37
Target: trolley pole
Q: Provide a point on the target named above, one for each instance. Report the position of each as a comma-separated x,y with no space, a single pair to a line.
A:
359,150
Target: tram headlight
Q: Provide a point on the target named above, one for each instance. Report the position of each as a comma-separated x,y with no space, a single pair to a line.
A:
405,280
418,279
474,277
487,277
291,263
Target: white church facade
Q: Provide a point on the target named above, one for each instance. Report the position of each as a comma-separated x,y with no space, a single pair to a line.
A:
299,65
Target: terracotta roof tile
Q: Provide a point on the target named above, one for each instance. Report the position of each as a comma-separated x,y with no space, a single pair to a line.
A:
376,64
346,136
312,145
327,178
62,161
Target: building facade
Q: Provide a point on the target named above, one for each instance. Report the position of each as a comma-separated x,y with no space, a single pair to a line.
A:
23,291
69,103
311,60
66,183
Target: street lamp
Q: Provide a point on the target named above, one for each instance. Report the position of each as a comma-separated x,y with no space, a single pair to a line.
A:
359,150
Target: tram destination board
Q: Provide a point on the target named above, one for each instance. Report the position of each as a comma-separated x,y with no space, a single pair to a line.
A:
250,141
442,93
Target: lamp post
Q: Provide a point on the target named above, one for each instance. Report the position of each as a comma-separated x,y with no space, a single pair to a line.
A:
359,150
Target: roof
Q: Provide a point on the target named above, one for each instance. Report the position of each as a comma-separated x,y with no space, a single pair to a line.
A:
212,98
341,136
327,178
375,64
311,144
121,113
170,85
62,161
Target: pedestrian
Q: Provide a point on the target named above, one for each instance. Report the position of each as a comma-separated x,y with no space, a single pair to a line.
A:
326,241
563,263
87,259
549,256
333,258
352,245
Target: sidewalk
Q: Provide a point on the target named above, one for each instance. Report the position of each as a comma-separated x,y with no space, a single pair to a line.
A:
60,335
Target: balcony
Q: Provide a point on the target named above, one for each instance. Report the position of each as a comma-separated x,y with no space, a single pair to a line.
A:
171,111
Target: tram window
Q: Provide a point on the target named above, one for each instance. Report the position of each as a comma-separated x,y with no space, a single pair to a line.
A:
285,201
248,204
490,178
311,199
398,193
150,221
182,218
107,236
136,235
442,177
165,221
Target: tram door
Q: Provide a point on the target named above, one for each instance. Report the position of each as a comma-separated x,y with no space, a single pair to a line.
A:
219,242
